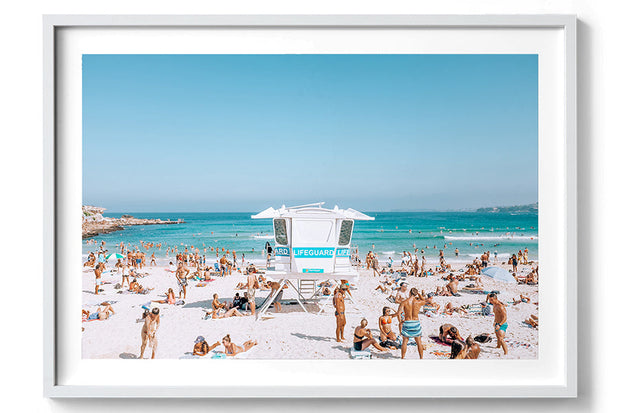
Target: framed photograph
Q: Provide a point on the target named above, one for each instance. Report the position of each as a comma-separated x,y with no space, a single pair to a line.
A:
310,206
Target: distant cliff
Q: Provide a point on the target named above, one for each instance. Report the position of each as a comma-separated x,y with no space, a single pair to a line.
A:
94,223
515,209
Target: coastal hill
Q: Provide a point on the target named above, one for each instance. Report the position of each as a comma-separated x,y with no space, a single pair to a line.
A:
515,209
94,223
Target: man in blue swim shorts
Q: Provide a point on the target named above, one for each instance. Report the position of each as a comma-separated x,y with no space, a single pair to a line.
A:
500,323
411,328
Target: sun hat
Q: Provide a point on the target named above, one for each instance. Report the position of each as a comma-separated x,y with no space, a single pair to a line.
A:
199,339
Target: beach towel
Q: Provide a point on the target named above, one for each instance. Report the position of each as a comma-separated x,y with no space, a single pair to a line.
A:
208,356
483,338
360,355
218,355
441,354
437,340
515,343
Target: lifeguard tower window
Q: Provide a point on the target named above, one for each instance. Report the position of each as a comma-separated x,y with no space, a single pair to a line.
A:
279,226
346,229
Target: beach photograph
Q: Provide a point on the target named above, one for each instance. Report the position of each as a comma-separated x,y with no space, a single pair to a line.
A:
310,207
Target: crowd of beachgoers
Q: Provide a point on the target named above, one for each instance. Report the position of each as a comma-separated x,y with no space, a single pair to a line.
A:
445,310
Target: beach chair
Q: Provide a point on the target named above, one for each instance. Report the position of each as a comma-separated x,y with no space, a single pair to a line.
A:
360,355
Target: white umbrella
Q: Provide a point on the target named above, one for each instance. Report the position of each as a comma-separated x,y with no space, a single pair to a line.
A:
115,255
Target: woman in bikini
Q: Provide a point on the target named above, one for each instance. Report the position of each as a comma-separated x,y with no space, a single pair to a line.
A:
362,338
232,349
170,298
388,337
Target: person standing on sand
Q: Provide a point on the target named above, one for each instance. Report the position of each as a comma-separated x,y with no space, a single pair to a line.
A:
252,286
181,275
151,324
500,323
275,286
341,321
98,272
410,309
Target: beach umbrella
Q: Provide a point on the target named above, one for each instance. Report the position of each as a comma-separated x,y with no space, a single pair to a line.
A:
499,274
115,256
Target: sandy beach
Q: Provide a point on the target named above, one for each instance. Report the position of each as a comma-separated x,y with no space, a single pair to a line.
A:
293,333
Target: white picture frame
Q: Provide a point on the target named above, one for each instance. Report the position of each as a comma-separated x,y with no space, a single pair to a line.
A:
66,36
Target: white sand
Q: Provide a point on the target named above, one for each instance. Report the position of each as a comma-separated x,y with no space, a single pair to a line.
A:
292,334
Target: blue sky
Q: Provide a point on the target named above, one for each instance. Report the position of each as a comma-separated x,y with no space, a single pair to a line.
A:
374,132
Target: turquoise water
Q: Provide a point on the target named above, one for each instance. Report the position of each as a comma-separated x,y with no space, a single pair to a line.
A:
388,235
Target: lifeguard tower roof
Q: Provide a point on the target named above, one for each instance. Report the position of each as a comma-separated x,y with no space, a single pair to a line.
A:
315,210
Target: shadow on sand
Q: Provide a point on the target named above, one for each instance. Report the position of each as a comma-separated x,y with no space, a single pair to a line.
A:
209,303
375,354
315,338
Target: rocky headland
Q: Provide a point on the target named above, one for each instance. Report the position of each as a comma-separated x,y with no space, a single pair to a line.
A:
94,223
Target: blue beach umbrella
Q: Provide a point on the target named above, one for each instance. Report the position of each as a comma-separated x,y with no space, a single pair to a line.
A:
499,274
115,256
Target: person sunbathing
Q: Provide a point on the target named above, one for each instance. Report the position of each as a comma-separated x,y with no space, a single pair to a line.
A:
218,305
442,292
531,278
430,305
522,299
400,295
137,288
449,309
201,347
326,284
233,349
382,288
100,314
170,298
224,313
453,286
362,338
532,321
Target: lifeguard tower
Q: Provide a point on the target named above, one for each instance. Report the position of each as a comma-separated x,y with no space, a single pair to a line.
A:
312,244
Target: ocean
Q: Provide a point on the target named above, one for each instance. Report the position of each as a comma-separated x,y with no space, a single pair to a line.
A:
388,235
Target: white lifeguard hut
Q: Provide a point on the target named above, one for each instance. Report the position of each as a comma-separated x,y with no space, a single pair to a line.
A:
312,243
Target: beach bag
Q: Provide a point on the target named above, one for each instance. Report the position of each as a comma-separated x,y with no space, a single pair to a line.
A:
483,338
